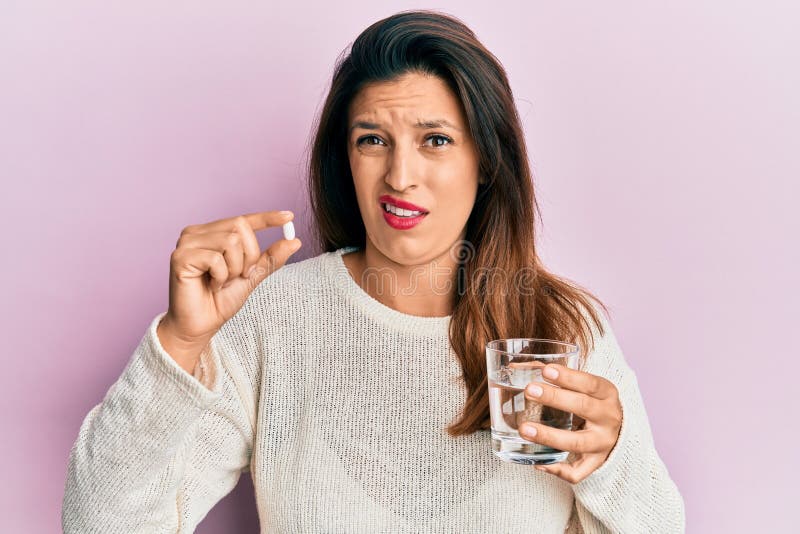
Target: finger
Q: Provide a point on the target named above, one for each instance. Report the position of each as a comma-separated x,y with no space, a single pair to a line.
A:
576,380
250,246
227,243
571,472
196,262
562,470
582,441
564,399
275,257
266,219
256,221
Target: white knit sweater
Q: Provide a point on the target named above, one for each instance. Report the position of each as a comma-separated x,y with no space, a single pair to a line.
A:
337,405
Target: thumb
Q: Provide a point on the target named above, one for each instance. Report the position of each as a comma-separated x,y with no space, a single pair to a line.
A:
275,257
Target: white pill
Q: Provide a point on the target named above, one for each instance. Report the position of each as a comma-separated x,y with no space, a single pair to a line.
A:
288,231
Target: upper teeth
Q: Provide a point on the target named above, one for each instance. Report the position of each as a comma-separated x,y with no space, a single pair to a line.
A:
400,212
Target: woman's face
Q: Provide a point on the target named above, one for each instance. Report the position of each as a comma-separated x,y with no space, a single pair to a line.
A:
409,142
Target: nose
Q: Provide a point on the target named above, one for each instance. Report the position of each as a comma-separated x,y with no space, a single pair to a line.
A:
403,171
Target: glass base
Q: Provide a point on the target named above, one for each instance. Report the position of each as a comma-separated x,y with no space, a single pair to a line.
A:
520,451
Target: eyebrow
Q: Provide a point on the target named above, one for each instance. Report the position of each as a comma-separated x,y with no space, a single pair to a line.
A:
422,124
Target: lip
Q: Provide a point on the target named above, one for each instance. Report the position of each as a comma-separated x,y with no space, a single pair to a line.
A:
402,223
389,199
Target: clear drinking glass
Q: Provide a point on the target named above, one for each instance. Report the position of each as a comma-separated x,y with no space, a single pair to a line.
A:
512,364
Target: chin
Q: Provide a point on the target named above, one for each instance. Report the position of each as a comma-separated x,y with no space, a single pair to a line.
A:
410,251
401,249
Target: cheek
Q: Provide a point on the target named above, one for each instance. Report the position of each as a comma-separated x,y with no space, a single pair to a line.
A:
362,168
365,180
359,175
457,186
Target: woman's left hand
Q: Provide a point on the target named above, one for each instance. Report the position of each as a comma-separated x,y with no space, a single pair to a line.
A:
589,397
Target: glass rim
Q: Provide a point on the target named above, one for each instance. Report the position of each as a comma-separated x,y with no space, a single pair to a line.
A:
575,348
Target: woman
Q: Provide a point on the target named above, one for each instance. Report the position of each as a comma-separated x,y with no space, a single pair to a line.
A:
353,384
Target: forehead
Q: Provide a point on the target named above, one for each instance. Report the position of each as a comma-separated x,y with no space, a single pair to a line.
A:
417,94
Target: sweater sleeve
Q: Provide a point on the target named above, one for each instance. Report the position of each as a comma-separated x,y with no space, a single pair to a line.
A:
163,446
632,490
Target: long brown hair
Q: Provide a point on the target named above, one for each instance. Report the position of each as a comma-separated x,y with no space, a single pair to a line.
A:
501,228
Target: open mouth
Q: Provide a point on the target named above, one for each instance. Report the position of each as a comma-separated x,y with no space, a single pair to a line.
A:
400,208
400,212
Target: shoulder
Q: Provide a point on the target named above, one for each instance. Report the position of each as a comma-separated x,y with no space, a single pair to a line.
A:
307,272
299,280
282,302
606,357
295,293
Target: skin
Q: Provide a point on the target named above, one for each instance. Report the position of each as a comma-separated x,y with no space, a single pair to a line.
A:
437,168
215,266
588,396
213,269
433,167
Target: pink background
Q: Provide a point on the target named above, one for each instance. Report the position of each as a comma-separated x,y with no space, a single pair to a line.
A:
661,137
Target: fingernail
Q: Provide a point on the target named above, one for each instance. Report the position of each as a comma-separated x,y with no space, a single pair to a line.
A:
534,390
528,431
286,213
550,372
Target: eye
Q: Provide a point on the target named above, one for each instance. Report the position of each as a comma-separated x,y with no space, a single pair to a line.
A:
362,140
439,140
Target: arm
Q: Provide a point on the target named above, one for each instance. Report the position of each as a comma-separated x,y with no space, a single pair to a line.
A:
163,447
632,490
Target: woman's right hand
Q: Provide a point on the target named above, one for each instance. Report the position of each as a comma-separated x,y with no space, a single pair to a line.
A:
213,269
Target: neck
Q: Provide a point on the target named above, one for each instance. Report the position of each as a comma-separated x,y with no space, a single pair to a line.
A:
425,289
